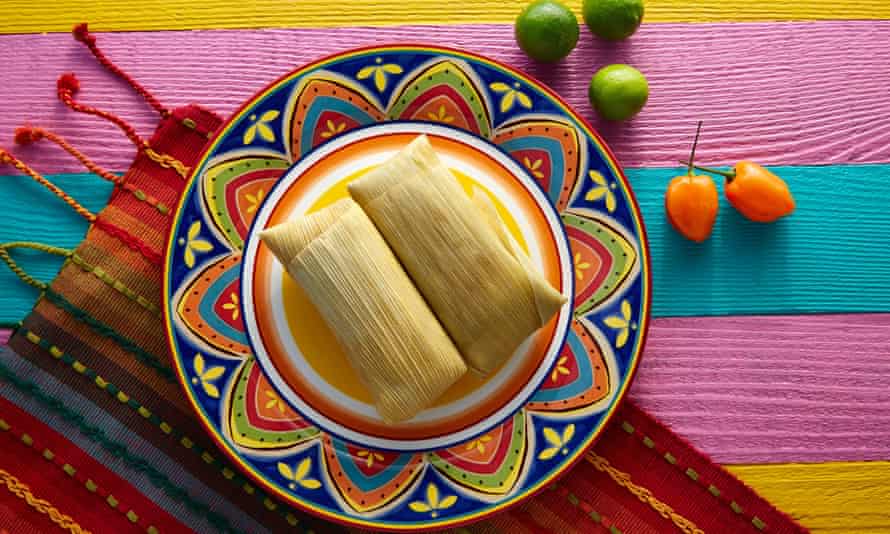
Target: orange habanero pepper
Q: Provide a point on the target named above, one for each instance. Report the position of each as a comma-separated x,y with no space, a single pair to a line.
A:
755,192
691,202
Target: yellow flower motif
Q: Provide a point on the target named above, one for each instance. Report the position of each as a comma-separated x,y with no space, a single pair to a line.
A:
206,377
433,504
560,369
232,305
622,324
510,95
274,401
533,166
441,116
333,129
601,190
558,443
379,71
261,127
192,244
370,457
254,200
478,444
580,266
297,475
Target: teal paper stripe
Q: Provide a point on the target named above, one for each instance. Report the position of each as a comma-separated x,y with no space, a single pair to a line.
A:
28,212
831,256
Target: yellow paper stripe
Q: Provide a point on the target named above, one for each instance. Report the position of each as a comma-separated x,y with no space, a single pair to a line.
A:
840,497
28,16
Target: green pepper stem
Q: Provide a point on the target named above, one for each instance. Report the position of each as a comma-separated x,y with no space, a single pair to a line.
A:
728,174
692,153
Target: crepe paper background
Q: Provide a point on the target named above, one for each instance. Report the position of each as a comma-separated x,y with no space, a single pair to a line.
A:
23,16
751,390
778,93
765,389
835,497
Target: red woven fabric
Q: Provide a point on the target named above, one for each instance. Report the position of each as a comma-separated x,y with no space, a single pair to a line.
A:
586,500
22,448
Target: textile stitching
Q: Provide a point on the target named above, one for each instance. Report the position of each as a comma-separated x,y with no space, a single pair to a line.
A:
713,490
587,508
103,329
26,135
98,435
68,469
132,242
116,284
144,412
167,161
643,494
96,271
22,491
141,195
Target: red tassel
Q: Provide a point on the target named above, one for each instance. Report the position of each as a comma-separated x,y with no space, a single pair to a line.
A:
82,33
26,135
68,84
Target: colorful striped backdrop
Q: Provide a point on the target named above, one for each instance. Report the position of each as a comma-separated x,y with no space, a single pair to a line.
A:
770,348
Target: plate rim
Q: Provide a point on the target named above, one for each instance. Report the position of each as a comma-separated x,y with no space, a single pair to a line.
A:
621,393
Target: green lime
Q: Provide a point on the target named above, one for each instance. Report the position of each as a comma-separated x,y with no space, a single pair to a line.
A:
547,30
618,92
613,19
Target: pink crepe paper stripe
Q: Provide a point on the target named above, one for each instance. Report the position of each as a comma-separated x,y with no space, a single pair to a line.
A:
778,93
772,389
769,389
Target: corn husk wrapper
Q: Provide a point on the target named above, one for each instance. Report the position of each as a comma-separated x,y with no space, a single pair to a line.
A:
391,337
480,285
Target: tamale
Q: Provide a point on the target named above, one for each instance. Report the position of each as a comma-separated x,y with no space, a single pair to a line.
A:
487,294
544,300
391,337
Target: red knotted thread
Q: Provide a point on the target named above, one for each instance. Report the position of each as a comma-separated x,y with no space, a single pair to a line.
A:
130,240
26,135
82,33
68,85
6,157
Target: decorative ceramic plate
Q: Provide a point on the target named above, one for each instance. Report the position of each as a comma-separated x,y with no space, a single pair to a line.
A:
266,375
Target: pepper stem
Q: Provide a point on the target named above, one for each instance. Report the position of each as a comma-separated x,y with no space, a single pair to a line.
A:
692,153
728,174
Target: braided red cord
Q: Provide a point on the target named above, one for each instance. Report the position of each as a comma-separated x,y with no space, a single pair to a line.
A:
6,157
26,135
133,242
122,235
68,84
81,33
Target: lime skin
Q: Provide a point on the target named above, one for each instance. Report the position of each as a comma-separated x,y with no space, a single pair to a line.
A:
618,92
613,20
547,30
